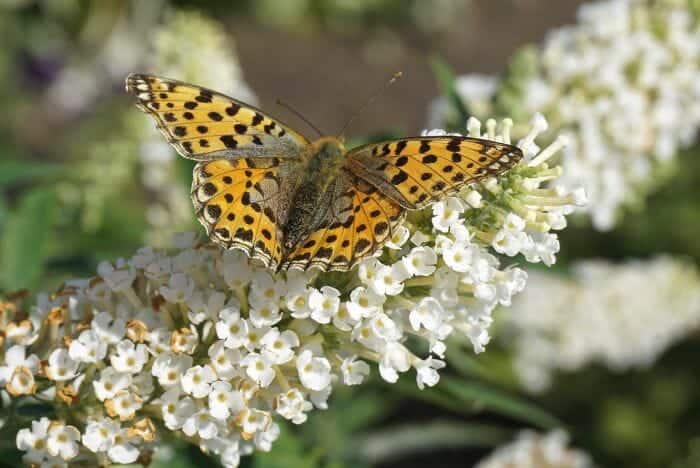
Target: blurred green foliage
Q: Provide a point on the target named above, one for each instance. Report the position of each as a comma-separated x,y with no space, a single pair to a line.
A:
72,197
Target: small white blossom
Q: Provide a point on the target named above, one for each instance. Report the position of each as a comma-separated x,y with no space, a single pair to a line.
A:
196,381
420,261
108,328
202,424
89,347
110,382
129,357
354,371
231,328
61,367
293,406
324,303
388,280
168,368
224,401
179,289
277,347
314,372
259,369
62,441
123,449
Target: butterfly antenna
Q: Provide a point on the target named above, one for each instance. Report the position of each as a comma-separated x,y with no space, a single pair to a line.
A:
371,99
299,114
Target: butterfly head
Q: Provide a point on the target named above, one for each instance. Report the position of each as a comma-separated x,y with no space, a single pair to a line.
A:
330,148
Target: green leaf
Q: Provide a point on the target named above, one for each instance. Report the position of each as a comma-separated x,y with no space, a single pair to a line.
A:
24,245
288,451
498,401
411,439
13,171
446,82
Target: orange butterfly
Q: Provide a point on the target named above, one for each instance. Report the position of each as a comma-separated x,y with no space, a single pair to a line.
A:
265,189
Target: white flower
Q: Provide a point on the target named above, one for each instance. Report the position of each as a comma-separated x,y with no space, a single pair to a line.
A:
259,369
510,242
175,410
364,303
89,347
277,347
297,301
99,434
202,424
179,289
168,368
388,280
110,382
429,314
236,271
123,449
354,371
224,401
264,289
567,323
254,420
129,357
314,372
458,256
367,270
124,405
265,314
263,439
342,320
205,306
426,371
446,213
16,358
384,327
231,328
543,451
159,341
61,367
224,361
34,439
197,380
292,406
117,279
21,382
420,261
395,359
62,441
109,328
398,238
324,303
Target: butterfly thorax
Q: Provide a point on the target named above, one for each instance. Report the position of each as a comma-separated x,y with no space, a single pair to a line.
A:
322,166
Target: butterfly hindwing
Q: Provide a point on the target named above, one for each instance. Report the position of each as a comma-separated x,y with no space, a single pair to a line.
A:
418,171
355,219
204,125
241,203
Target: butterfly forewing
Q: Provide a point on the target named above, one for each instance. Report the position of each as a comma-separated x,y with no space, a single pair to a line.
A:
355,220
417,171
202,124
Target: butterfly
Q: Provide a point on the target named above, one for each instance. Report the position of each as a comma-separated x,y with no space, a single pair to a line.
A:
263,188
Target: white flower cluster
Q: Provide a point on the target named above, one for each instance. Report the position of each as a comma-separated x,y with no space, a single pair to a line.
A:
192,48
624,81
620,315
213,348
532,450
